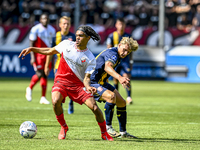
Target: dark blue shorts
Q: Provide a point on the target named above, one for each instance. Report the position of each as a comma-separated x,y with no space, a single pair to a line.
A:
101,89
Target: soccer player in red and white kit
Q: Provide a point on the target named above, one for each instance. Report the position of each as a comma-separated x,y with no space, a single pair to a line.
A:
73,77
40,36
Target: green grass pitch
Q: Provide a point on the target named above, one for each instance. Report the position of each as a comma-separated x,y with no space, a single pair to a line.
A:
165,116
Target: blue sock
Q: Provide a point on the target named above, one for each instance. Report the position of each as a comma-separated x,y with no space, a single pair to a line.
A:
70,102
109,110
128,92
121,115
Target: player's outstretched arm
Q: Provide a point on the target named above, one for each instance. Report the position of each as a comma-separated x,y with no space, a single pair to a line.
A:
123,80
44,51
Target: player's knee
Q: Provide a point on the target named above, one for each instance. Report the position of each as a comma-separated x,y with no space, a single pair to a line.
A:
112,97
95,108
56,100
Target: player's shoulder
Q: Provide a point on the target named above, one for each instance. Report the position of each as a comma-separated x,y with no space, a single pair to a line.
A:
69,42
110,35
50,27
90,54
109,52
36,27
113,50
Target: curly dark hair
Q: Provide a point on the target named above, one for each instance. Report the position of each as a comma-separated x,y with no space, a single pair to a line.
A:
90,32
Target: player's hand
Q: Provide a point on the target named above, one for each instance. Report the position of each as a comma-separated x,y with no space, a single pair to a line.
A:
91,89
125,82
24,52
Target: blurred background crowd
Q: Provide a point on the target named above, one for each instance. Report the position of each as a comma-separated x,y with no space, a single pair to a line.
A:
178,13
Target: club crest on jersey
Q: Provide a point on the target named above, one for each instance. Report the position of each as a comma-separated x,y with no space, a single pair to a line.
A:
114,58
100,89
83,59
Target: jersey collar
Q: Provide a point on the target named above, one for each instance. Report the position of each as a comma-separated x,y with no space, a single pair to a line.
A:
78,50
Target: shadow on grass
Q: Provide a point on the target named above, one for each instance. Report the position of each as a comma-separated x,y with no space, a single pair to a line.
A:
160,140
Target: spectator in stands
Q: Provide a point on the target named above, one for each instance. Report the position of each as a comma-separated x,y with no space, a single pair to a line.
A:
154,18
183,8
89,16
118,12
67,10
26,18
170,12
106,18
9,12
143,16
131,19
35,8
196,19
112,4
183,23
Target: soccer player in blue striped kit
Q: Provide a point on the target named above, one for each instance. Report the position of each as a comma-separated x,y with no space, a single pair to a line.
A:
124,68
107,61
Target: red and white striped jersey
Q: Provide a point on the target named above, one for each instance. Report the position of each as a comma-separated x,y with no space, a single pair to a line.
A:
74,61
41,35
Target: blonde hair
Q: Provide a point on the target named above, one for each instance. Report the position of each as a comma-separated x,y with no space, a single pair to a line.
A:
132,44
66,18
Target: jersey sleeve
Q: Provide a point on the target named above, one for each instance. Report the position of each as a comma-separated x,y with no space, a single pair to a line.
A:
33,34
61,45
109,40
91,66
111,56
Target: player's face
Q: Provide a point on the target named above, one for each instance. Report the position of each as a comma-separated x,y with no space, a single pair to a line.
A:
123,50
64,25
120,26
81,39
44,20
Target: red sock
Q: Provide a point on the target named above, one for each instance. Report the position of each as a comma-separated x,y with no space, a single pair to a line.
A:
102,126
34,80
43,83
61,120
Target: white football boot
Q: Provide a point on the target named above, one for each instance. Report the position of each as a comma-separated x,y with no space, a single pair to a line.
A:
43,100
28,94
129,100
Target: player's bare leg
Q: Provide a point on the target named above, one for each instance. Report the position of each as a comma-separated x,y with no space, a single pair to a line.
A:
58,110
91,103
